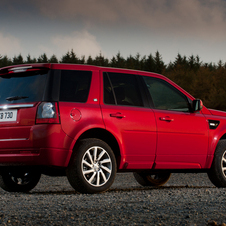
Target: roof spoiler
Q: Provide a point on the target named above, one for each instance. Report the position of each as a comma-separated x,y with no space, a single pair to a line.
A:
23,68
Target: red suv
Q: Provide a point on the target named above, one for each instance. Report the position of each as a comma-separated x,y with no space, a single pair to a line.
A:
89,122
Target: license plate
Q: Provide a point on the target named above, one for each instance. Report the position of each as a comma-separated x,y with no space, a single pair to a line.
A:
8,115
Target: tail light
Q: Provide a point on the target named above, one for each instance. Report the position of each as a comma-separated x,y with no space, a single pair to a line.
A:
47,112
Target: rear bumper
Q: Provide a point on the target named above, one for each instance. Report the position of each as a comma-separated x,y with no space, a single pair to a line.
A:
45,144
42,156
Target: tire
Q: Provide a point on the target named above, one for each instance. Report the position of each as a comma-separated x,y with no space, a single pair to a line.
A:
92,167
148,179
217,172
18,180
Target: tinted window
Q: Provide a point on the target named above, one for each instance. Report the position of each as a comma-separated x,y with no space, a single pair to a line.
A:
108,91
121,89
74,86
165,96
22,87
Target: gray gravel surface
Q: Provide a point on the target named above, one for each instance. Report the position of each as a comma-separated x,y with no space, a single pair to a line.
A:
187,199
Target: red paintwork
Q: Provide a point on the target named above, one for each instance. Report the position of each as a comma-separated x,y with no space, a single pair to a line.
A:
147,138
182,140
136,133
217,113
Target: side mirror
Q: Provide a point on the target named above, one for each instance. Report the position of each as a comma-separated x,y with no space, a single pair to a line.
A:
197,105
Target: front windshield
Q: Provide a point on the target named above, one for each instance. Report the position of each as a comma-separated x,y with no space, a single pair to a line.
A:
22,87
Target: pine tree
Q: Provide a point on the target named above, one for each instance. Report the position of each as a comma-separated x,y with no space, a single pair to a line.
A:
160,66
100,60
82,60
138,63
90,61
43,59
70,58
170,67
66,58
220,64
113,62
30,61
130,62
198,63
120,62
53,59
149,64
18,60
192,62
73,58
5,61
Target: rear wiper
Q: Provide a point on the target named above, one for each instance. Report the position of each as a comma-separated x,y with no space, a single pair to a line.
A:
16,98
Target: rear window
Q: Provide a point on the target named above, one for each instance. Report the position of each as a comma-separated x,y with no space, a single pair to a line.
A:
22,87
75,85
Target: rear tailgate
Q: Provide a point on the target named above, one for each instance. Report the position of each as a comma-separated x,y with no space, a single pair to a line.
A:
15,126
21,89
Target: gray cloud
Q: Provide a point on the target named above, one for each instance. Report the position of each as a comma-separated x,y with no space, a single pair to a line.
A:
128,26
181,17
10,44
185,18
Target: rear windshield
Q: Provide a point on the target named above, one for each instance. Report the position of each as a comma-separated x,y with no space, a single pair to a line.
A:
22,87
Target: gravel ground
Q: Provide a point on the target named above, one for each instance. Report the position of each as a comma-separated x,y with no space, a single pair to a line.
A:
187,199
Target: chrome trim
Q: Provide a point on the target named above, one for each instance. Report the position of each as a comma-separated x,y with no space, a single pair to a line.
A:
16,106
17,139
19,69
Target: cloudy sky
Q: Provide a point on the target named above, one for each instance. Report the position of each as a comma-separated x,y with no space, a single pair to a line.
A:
188,27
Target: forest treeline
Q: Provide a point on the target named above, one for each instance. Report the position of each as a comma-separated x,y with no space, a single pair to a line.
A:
206,81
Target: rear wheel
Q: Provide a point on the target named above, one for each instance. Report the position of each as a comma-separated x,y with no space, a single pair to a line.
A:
148,179
92,168
18,180
217,173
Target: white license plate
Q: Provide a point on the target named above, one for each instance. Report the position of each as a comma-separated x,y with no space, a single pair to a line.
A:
8,115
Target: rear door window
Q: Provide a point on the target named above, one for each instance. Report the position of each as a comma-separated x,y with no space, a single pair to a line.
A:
75,85
122,89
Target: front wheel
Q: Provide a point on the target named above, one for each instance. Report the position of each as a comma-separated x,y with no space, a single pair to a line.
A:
151,179
92,168
217,172
18,180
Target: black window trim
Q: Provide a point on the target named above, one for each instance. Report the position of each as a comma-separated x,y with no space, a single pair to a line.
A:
146,93
113,92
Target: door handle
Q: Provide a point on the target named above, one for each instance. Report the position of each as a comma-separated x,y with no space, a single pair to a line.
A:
167,119
117,115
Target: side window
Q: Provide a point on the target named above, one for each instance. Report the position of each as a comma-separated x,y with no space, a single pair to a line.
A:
74,85
121,89
165,96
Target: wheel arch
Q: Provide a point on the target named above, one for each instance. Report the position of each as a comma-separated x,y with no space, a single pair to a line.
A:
213,148
217,174
223,137
105,136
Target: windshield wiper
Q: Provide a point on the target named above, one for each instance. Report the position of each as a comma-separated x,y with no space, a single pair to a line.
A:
16,98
